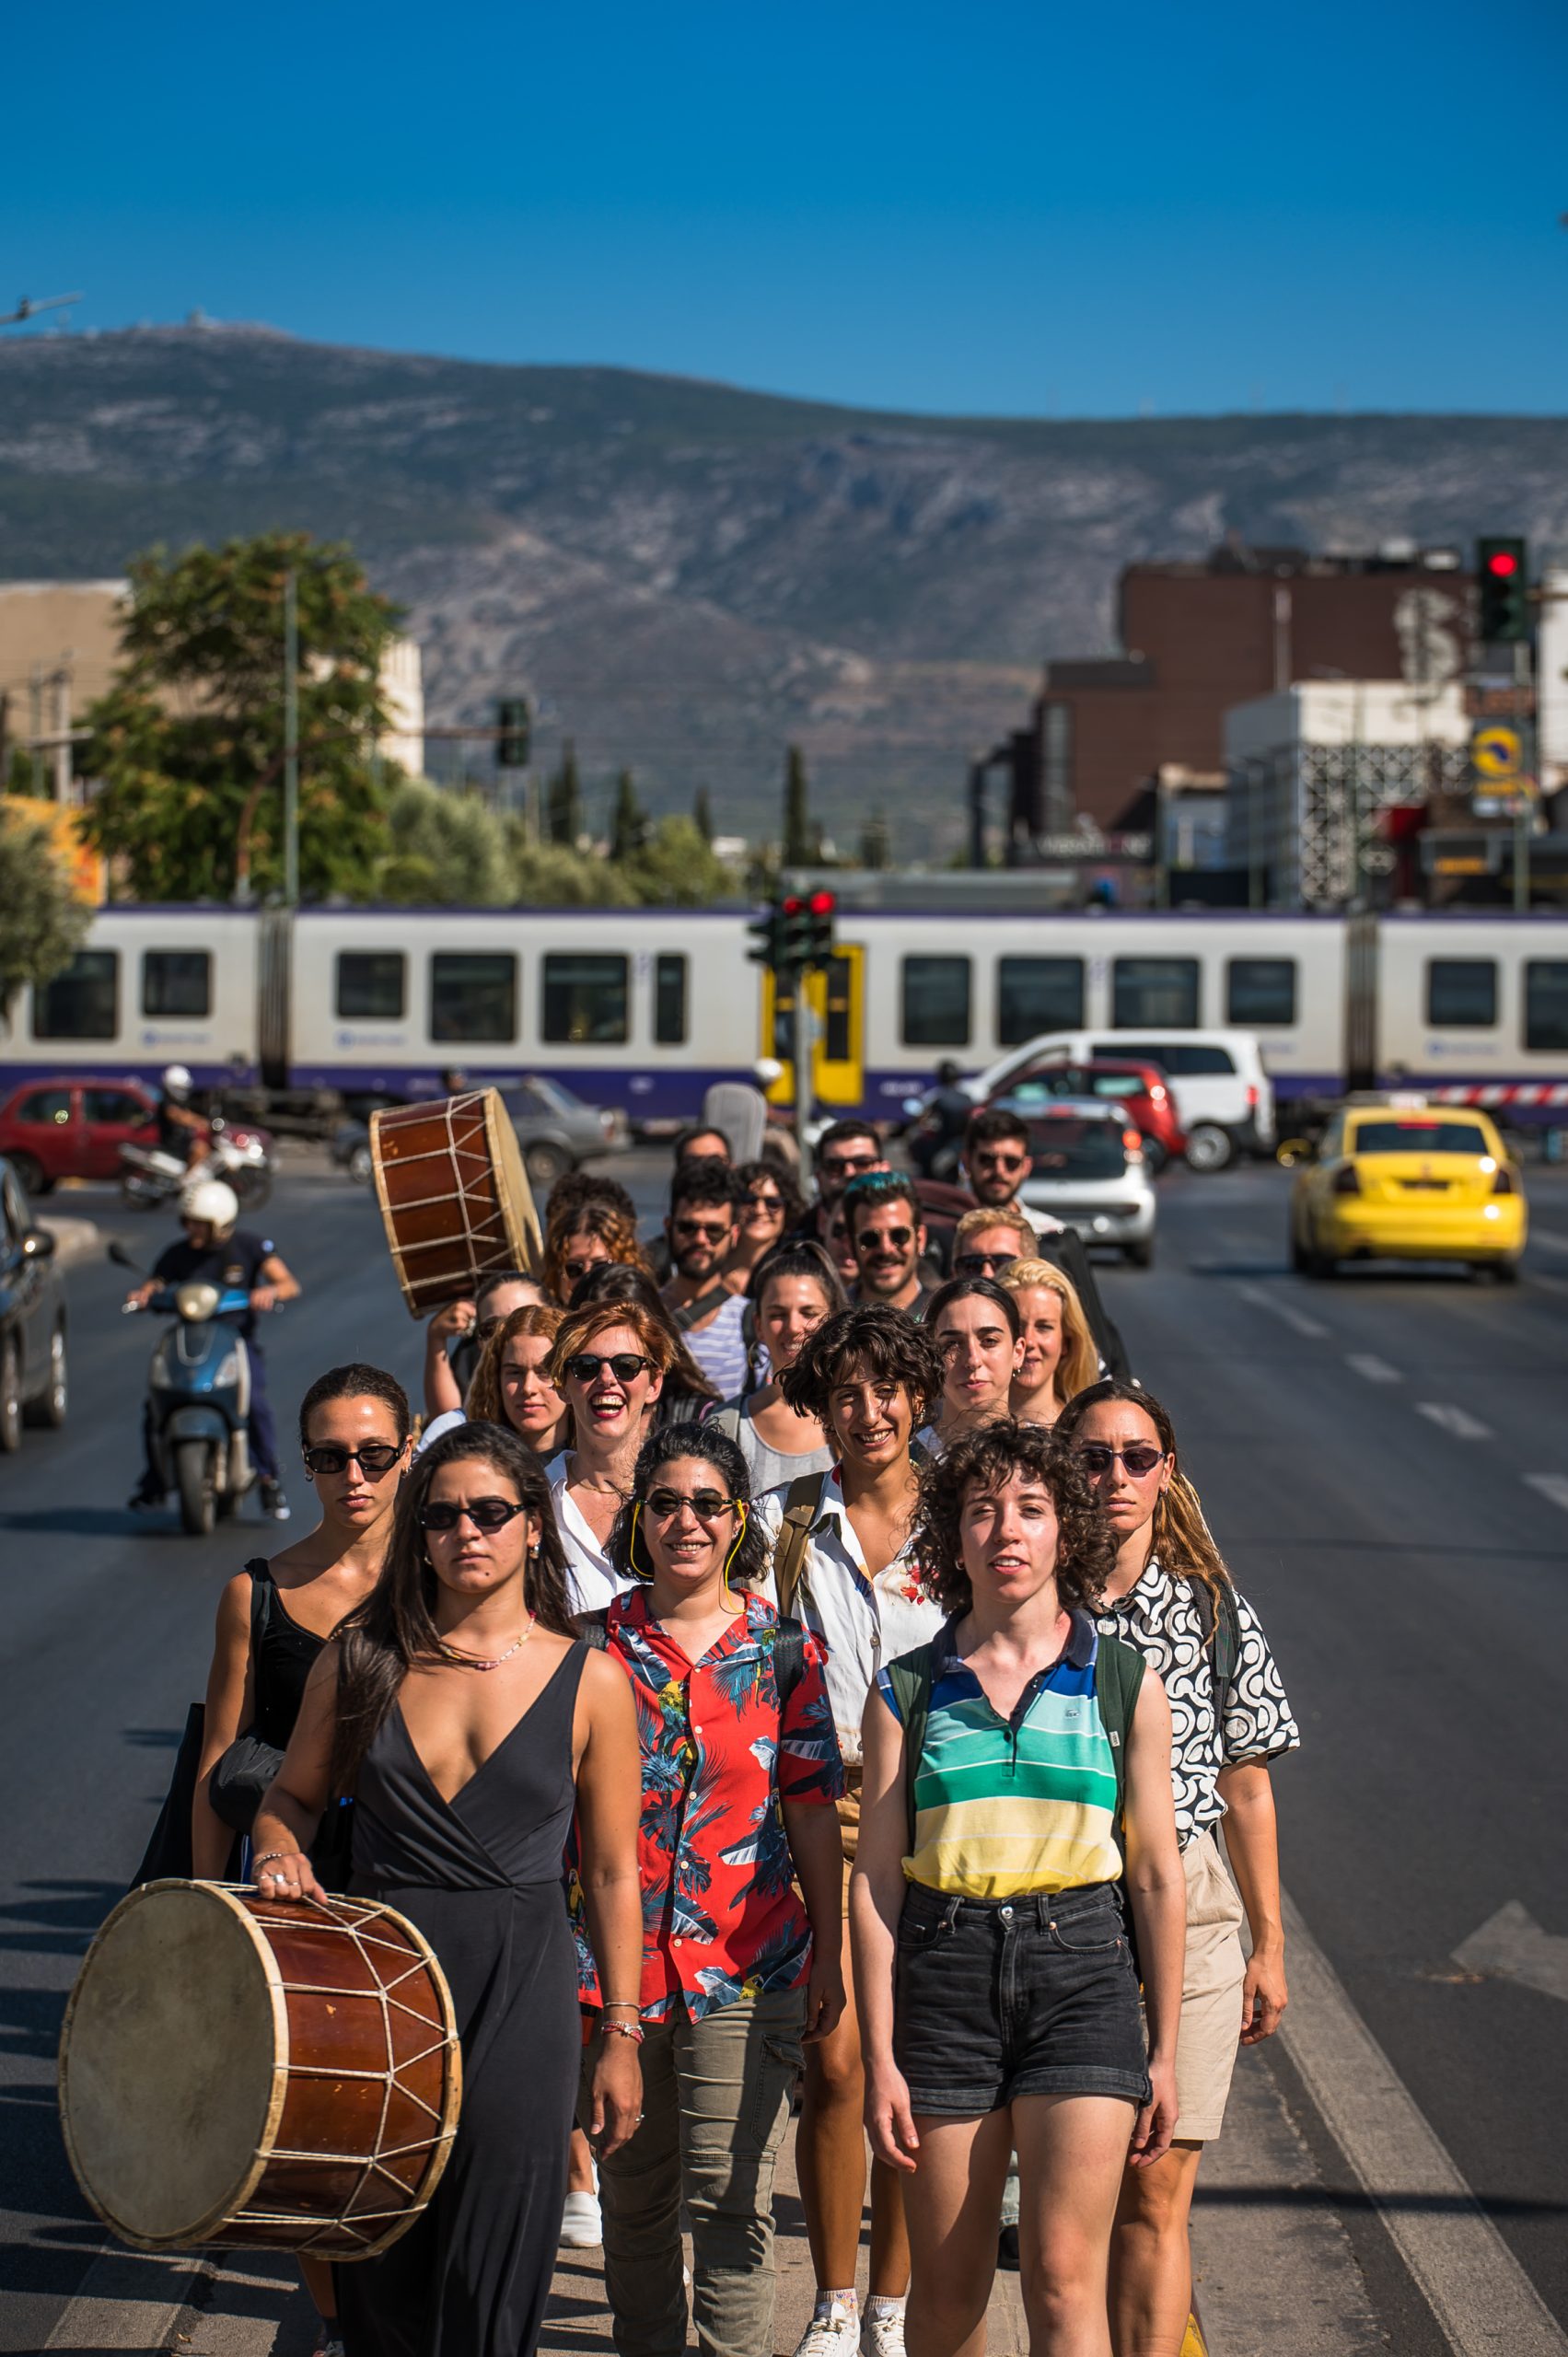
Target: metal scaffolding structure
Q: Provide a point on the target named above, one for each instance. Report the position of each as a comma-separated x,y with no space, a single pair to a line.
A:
1341,790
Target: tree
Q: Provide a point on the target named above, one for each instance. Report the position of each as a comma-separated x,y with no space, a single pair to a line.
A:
703,815
678,869
799,839
563,801
551,876
628,821
446,850
42,922
188,743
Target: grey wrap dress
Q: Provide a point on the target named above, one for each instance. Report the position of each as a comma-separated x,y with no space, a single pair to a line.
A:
482,1878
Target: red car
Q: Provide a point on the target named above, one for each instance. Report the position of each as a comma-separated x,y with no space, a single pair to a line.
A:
1140,1087
73,1129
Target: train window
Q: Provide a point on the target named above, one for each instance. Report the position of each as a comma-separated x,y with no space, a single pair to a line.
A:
177,982
937,1002
1155,990
84,1002
473,996
1035,994
372,985
1545,1004
1260,990
585,999
669,1000
1461,994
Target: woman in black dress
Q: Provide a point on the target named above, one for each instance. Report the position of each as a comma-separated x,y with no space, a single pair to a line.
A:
468,1720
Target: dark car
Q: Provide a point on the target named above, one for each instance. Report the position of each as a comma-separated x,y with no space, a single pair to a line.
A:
55,1129
32,1318
556,1131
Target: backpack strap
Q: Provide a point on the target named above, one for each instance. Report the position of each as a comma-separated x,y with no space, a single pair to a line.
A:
713,1298
594,1631
1119,1675
910,1677
1221,1628
789,1658
263,1587
794,1532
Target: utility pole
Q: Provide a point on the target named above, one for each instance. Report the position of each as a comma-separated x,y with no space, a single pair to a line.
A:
1521,799
291,739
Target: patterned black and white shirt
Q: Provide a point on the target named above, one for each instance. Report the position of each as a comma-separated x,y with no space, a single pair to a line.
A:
1160,1616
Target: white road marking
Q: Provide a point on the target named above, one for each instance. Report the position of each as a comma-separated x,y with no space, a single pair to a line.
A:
1296,1319
1480,2296
1548,1283
1550,1238
1513,1945
1457,1420
1550,1485
1374,1370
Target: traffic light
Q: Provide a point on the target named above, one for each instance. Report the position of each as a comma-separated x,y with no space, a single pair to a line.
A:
795,932
515,722
765,940
1504,578
821,909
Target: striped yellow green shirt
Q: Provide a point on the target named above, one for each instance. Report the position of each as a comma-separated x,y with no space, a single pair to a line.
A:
1008,1806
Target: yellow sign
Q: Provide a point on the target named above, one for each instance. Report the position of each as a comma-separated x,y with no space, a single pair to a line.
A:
1497,751
62,823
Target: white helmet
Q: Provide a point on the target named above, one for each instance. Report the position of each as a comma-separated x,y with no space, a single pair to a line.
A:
177,1081
210,1200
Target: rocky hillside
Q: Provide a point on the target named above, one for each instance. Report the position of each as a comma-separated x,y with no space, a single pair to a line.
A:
686,575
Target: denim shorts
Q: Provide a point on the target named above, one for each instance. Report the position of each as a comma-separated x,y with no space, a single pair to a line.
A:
1031,1996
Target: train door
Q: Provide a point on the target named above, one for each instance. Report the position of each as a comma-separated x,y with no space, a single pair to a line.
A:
836,996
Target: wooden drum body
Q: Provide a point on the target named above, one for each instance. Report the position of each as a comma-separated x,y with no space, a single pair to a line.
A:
454,1195
235,2070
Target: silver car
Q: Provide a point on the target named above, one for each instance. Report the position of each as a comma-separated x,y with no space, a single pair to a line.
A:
1089,1172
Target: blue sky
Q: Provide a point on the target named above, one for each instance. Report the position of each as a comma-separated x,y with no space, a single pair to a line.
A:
1015,209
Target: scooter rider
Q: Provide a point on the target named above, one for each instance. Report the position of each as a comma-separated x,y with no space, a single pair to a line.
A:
214,1251
180,1129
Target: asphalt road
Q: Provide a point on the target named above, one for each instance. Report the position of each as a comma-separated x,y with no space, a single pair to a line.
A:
1365,1449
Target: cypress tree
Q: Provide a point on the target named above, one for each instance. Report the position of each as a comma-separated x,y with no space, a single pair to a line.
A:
798,834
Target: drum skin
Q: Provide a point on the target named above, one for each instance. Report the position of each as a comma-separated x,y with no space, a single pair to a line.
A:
257,2074
454,1195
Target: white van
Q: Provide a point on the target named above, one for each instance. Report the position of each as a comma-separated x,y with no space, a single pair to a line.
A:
1224,1097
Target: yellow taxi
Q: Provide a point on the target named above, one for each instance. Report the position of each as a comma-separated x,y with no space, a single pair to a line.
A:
1395,1177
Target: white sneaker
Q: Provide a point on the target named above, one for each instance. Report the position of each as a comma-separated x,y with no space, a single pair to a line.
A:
882,2334
835,2333
582,2224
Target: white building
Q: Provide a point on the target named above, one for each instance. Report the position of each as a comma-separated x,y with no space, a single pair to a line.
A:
402,693
1552,680
1311,769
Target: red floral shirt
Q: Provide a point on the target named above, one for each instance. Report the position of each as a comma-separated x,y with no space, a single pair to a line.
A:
721,1917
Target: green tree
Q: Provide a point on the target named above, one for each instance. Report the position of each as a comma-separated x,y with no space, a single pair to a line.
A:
799,835
703,815
552,876
445,849
28,773
628,822
187,744
678,869
42,923
563,800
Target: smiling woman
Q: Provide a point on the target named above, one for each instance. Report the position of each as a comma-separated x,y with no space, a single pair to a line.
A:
609,1363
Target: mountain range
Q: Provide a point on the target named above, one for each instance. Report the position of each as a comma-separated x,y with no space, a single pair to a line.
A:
685,575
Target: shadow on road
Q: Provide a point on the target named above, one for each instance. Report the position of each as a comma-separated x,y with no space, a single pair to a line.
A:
84,1522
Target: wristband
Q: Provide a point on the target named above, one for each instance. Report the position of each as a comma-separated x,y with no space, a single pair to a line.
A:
266,1857
633,2030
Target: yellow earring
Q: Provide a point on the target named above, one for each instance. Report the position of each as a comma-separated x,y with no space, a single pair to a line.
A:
632,1543
735,1551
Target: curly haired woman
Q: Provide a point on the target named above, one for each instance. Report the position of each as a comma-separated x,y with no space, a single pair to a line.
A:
1009,1764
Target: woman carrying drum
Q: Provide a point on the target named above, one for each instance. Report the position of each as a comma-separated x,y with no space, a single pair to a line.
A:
469,1721
1171,1595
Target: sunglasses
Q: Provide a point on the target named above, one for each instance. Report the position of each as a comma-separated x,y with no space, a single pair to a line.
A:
575,1270
376,1458
486,1513
586,1366
706,1504
999,1162
849,1166
1140,1458
899,1239
982,1264
764,1202
694,1230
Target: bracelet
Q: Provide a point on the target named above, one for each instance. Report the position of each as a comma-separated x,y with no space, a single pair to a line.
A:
265,1858
633,2030
622,2006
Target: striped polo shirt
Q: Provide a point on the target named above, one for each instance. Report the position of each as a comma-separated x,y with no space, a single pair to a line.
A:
1016,1804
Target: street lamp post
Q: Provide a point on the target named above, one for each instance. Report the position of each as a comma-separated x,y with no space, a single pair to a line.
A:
291,738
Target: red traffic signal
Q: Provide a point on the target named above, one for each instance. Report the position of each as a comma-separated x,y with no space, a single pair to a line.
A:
1501,564
1502,590
794,905
822,904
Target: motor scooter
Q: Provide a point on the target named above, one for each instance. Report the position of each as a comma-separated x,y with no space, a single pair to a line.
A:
241,1157
198,1399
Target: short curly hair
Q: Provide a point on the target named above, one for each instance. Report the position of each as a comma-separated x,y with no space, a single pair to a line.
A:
894,1348
987,1460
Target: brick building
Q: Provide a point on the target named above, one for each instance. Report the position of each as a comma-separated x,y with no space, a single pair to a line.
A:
1201,636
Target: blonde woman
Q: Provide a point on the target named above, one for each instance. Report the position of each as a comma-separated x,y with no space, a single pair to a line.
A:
1058,1356
511,1387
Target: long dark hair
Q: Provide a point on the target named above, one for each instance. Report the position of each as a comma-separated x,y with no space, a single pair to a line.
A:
394,1630
627,1550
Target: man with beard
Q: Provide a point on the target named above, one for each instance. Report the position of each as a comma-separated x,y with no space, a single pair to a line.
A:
888,1235
700,1232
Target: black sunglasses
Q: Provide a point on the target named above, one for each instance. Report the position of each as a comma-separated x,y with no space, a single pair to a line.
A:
1140,1459
575,1270
706,1504
846,1165
585,1366
901,1238
486,1513
763,1203
375,1458
982,1264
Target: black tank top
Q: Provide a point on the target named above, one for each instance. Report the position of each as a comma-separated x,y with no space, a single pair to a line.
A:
282,1656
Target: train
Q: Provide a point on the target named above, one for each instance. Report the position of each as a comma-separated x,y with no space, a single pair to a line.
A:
644,1009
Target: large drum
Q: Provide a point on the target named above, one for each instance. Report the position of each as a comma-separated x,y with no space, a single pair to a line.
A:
257,2073
454,1195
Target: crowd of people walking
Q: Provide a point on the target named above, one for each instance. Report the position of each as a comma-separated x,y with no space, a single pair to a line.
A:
787,1664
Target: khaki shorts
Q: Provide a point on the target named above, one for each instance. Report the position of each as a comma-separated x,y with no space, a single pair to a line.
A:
1210,2033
